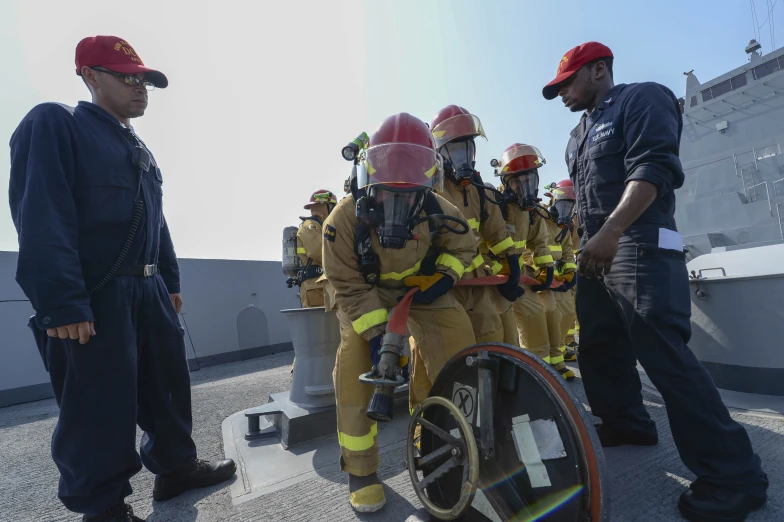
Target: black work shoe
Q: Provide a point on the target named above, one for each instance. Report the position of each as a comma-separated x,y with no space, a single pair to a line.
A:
610,437
704,502
119,513
196,474
570,355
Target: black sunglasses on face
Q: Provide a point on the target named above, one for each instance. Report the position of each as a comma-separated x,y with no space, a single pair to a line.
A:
129,79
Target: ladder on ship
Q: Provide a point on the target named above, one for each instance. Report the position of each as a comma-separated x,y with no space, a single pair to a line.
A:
778,192
746,171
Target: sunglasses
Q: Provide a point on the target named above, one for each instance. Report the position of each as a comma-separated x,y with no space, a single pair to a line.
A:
129,79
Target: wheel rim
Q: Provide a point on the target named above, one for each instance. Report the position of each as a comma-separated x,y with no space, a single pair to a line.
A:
456,452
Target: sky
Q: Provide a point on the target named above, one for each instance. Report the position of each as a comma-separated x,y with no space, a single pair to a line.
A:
263,95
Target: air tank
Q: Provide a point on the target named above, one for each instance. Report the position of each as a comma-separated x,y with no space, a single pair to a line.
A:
291,261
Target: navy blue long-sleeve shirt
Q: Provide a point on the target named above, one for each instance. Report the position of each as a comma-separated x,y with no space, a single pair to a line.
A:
634,134
72,190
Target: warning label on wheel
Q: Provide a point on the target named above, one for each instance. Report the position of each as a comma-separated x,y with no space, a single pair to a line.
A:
465,399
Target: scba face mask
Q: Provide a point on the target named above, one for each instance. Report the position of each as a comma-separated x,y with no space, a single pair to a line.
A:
394,214
459,160
524,188
561,212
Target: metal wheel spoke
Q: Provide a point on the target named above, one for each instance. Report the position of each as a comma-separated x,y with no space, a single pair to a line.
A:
434,456
441,434
438,473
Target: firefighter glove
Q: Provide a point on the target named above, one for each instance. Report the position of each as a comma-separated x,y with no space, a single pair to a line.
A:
431,287
511,289
545,276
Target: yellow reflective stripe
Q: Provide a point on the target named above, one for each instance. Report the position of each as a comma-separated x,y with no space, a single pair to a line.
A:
556,271
546,359
570,332
411,411
370,319
521,244
555,248
361,443
452,262
398,276
476,263
301,250
562,349
522,262
503,245
567,266
576,250
556,360
496,267
473,224
543,259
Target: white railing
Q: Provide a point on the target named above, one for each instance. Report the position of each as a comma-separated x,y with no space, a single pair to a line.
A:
766,192
775,192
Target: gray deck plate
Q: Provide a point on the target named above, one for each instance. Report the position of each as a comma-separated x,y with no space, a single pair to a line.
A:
265,467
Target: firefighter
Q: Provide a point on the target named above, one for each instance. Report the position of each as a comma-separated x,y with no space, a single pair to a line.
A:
573,332
560,208
313,289
309,237
518,170
454,130
376,242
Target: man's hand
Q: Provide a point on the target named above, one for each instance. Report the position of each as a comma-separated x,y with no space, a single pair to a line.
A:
176,301
82,331
597,257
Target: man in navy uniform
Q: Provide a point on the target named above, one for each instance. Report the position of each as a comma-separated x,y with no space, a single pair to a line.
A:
97,262
633,292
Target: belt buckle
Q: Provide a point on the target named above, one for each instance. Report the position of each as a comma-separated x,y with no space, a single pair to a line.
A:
149,270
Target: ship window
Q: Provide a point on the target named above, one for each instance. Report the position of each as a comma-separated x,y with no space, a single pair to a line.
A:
765,69
721,88
693,101
706,95
739,81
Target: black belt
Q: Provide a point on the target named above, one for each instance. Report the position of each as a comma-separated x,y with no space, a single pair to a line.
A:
138,270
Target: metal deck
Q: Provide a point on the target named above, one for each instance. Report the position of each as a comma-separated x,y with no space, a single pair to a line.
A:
645,482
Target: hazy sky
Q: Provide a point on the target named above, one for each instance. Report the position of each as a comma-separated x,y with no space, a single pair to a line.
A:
263,95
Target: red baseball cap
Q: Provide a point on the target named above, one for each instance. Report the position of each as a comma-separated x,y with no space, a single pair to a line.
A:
117,55
571,63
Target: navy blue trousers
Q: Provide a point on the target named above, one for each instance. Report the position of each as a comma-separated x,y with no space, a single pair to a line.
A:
641,312
133,372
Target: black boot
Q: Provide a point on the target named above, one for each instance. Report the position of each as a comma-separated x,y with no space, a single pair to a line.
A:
610,437
196,474
704,502
119,513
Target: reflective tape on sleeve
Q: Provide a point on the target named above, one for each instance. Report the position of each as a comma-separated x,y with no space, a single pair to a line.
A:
503,245
452,262
370,319
542,260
